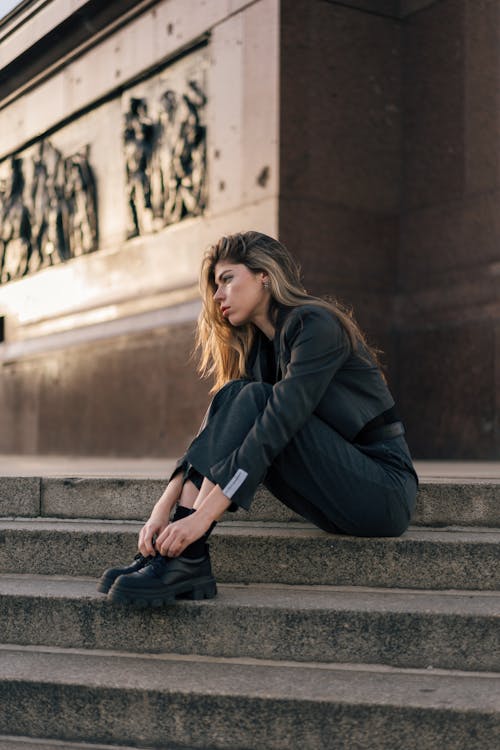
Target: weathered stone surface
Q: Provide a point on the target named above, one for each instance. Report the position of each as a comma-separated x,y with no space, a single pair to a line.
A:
447,502
19,496
269,553
118,698
444,388
27,743
464,503
456,630
100,497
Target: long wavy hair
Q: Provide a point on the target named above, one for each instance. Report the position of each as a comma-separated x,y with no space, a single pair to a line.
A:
224,349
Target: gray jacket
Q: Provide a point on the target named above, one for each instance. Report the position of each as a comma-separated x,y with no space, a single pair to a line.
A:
316,373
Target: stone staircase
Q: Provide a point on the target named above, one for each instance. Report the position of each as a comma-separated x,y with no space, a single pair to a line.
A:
314,641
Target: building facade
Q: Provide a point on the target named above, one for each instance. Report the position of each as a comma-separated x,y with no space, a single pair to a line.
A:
133,134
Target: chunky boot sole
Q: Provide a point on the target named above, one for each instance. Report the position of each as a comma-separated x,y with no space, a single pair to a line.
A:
196,589
109,577
105,584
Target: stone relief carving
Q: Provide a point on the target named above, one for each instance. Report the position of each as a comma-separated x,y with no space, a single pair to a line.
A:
165,159
48,210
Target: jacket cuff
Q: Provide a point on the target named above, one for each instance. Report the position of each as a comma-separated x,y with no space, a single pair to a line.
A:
237,484
181,465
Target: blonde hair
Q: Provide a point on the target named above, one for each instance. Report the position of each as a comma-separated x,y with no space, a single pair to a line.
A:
224,349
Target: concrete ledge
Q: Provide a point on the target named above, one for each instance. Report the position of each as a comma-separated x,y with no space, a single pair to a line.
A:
112,698
32,743
452,630
464,501
268,553
19,496
85,497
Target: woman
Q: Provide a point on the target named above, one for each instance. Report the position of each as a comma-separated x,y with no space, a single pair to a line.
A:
301,406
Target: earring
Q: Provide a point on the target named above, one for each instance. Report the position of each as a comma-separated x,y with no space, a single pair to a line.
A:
266,284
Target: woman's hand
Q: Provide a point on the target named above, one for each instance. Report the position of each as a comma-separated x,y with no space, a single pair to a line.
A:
153,527
160,516
174,539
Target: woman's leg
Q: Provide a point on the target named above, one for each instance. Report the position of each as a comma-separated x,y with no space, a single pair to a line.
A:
165,579
188,495
334,484
319,474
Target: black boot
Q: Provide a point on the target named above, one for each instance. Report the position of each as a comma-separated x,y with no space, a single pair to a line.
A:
111,574
165,579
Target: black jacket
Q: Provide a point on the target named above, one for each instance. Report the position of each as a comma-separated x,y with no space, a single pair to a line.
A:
316,373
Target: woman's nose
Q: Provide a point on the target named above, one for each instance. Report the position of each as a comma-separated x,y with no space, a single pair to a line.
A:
218,294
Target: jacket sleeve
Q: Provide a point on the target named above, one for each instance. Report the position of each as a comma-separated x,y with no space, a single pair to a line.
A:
318,346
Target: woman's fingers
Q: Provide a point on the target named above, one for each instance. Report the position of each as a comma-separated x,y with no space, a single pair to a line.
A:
146,542
176,537
167,542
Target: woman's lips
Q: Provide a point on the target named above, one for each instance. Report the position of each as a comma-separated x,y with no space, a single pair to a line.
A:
224,310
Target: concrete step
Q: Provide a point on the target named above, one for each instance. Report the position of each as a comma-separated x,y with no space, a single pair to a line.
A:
170,702
254,552
463,501
431,629
32,743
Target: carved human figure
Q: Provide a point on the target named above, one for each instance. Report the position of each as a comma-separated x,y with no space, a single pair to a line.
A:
15,227
161,162
39,208
186,183
56,247
138,143
81,202
49,211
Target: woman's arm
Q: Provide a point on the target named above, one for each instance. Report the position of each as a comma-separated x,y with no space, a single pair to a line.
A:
317,347
177,536
160,516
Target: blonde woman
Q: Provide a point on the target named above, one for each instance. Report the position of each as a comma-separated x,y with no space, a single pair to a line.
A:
300,406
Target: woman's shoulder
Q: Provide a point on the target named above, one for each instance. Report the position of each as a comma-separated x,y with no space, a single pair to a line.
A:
318,318
308,312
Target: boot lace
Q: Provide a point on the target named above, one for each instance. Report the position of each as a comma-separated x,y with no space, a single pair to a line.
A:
157,564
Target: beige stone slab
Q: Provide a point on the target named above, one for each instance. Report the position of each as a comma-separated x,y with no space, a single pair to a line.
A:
225,125
150,38
437,472
25,30
261,97
142,267
81,466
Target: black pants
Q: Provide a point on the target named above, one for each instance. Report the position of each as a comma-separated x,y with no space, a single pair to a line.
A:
341,487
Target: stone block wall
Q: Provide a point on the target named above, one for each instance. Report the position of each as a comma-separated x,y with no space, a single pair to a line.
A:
340,154
364,134
96,357
448,302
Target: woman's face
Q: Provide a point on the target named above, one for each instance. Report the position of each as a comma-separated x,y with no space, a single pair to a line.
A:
241,294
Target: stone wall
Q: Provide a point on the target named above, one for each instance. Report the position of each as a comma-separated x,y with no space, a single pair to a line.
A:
448,304
97,345
389,195
364,133
340,154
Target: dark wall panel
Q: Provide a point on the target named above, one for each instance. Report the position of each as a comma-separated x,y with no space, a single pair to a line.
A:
132,396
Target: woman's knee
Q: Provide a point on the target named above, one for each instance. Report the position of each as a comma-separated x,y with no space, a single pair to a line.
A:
232,387
228,392
244,390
